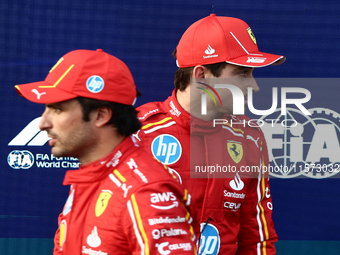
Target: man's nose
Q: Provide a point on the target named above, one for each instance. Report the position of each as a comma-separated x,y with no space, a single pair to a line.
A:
45,123
254,86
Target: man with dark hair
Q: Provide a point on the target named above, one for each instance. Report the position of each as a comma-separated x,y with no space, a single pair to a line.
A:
116,204
233,208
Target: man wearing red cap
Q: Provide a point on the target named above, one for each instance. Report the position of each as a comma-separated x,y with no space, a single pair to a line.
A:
233,207
116,205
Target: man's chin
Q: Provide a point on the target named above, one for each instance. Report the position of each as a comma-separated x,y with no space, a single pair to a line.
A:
222,110
59,154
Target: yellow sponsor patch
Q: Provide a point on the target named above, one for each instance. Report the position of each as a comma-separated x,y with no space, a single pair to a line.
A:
251,34
62,233
235,151
102,202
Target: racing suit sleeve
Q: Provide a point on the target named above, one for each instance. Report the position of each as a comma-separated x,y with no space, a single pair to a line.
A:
57,244
158,222
257,234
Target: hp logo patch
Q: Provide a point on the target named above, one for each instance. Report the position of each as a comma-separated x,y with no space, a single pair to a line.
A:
210,240
20,159
167,149
95,84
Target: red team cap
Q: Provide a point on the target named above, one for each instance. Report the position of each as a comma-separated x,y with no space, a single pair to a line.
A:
85,73
215,39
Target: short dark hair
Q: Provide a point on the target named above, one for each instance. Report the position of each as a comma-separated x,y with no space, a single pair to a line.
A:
124,117
182,75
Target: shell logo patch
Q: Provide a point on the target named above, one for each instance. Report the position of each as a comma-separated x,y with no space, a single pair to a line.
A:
251,34
235,150
102,202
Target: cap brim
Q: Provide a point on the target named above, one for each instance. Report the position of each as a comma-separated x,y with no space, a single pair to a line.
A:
43,93
258,59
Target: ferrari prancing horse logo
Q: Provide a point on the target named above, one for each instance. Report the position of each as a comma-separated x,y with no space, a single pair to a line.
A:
102,202
235,150
251,34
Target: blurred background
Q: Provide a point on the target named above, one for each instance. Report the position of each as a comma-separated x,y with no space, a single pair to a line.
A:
34,34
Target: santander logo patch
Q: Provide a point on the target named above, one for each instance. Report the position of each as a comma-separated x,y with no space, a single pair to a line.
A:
236,183
93,239
209,50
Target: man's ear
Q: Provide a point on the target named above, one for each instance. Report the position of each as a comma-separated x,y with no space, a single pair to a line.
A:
199,72
103,116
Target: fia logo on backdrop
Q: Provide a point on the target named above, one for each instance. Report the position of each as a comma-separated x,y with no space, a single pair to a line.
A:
310,147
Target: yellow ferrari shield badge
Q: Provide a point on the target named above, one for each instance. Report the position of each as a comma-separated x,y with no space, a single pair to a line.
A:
251,34
235,150
62,233
102,202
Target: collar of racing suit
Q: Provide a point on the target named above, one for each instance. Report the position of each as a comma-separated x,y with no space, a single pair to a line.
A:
99,169
197,126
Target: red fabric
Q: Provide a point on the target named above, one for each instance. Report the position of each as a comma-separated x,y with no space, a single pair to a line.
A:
125,203
239,206
215,39
84,73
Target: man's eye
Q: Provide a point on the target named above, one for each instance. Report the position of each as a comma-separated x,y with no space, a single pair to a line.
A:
57,110
243,73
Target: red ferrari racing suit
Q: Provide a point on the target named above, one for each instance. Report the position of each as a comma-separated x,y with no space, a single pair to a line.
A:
124,203
234,210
